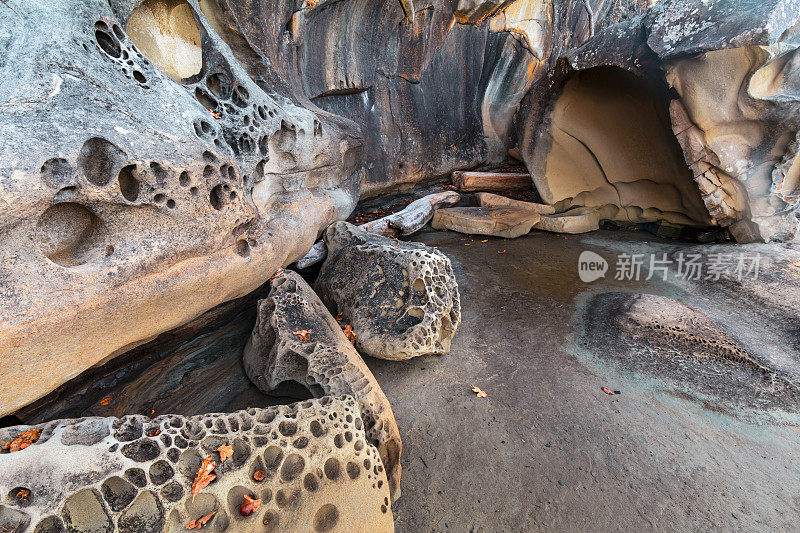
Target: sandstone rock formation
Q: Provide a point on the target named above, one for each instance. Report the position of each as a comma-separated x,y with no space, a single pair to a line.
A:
320,473
297,339
718,76
487,199
666,340
401,298
164,156
130,208
577,220
508,222
672,327
430,96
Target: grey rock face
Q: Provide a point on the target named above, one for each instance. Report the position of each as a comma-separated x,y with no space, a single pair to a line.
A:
135,473
401,298
430,96
129,208
296,338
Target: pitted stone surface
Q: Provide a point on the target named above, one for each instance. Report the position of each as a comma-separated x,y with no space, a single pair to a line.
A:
139,192
325,362
401,298
321,472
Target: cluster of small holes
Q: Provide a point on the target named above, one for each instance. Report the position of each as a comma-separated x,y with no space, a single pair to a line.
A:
419,301
163,454
114,43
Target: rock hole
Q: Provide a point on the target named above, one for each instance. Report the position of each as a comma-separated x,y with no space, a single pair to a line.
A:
99,161
165,31
332,469
243,248
292,467
217,197
107,43
69,234
57,173
128,183
326,518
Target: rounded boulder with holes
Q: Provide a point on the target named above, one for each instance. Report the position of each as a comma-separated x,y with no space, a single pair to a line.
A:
401,298
309,464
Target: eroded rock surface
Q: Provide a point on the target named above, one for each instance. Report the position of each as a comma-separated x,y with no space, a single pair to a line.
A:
135,473
720,77
134,202
508,222
296,338
662,338
401,298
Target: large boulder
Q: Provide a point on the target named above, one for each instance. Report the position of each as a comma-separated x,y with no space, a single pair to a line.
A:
401,298
139,192
309,463
296,339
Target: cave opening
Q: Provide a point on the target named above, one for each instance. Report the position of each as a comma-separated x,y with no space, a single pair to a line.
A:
607,143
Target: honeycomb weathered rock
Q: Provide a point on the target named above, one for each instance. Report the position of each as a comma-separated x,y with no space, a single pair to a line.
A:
134,202
135,473
401,298
322,359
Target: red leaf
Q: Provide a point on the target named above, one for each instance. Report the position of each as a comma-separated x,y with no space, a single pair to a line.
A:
204,476
249,506
225,452
200,522
23,440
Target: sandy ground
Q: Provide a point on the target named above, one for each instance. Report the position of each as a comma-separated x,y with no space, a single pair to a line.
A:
547,449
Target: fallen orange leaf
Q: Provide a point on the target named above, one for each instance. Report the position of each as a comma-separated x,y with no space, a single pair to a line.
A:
249,506
501,252
259,475
303,334
200,522
204,476
349,333
23,494
225,452
478,391
154,433
105,401
276,274
23,440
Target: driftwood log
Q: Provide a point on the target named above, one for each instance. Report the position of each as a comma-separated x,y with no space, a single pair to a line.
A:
466,181
405,222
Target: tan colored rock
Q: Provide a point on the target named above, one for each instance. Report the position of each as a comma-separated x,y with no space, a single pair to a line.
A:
491,181
578,220
606,140
508,222
320,472
296,338
487,199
